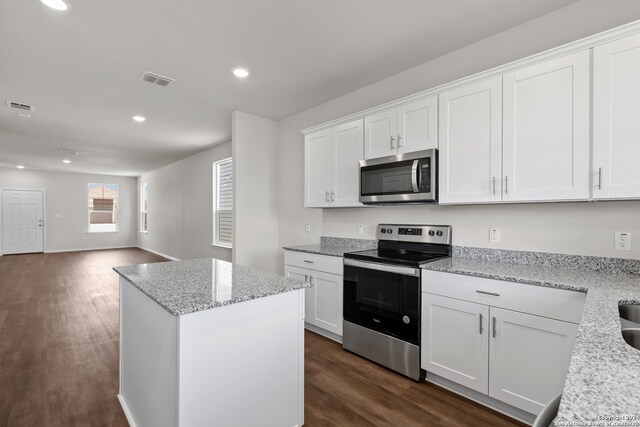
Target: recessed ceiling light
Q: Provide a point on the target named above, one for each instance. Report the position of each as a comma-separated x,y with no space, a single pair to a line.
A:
139,119
67,161
60,5
20,166
240,72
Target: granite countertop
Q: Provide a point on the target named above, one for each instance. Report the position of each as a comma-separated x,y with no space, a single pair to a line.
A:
183,287
335,246
604,371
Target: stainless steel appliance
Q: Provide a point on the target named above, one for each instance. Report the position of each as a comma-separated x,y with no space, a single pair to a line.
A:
382,295
404,178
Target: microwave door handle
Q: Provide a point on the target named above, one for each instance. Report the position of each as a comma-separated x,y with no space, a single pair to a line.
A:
414,176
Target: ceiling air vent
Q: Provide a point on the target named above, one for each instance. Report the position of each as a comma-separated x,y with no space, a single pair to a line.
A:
150,77
20,106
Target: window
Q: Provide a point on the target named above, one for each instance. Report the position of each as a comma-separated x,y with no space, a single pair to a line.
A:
103,208
144,227
223,203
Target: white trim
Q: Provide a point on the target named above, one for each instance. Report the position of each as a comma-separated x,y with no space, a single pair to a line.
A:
221,246
313,328
172,258
125,409
566,49
101,248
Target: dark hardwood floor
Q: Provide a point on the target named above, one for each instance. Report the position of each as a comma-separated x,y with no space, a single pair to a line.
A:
59,356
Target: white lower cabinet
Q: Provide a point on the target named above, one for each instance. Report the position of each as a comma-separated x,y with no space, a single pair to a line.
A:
323,300
454,340
528,358
517,358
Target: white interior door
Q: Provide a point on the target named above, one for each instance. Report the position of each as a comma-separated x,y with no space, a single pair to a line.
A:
347,149
454,340
529,358
471,143
22,222
616,128
546,131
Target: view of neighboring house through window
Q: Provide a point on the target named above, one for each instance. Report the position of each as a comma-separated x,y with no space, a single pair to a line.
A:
103,208
143,208
223,203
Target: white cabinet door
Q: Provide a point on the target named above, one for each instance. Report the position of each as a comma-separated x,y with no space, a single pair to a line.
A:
546,131
317,162
455,340
347,149
616,124
303,275
380,134
471,143
418,125
529,358
327,301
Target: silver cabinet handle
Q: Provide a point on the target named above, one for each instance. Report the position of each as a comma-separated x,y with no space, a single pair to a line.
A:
311,280
306,278
308,261
599,178
494,185
480,323
488,293
494,327
392,146
399,141
506,184
326,196
333,196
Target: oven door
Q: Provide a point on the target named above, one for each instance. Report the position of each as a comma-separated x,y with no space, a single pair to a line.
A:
407,178
384,298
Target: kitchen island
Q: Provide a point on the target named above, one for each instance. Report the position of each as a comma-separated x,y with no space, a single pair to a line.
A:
205,342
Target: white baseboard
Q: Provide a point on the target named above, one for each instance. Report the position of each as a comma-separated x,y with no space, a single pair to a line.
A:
323,332
126,411
101,248
482,399
172,258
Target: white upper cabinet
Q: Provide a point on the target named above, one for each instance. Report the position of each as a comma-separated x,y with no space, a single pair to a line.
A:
346,153
418,125
380,134
616,122
410,127
546,131
471,143
332,168
317,157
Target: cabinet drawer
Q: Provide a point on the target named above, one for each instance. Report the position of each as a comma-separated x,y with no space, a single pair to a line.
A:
328,264
547,302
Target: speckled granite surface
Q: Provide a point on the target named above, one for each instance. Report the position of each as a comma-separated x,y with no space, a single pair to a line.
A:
604,372
183,287
335,246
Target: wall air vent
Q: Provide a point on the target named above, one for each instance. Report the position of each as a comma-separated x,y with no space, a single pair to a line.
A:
154,78
20,106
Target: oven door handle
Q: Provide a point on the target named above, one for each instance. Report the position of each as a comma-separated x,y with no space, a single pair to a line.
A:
405,271
414,176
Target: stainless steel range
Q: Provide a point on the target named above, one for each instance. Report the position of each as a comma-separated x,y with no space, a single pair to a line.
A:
382,294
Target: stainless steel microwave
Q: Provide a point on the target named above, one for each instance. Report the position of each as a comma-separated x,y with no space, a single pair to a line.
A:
403,178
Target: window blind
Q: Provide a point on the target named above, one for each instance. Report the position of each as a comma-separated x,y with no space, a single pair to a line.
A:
224,211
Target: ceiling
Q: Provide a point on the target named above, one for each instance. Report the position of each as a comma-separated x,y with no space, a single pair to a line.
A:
81,68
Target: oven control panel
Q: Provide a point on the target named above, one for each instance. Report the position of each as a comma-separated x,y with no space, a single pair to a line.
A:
440,234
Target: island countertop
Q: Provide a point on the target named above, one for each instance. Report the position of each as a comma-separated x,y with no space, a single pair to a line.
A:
183,287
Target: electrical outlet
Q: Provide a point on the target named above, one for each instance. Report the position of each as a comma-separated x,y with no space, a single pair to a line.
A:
494,235
307,228
622,241
360,229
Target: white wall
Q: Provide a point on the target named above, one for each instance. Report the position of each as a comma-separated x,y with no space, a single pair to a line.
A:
255,165
581,228
180,207
67,197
